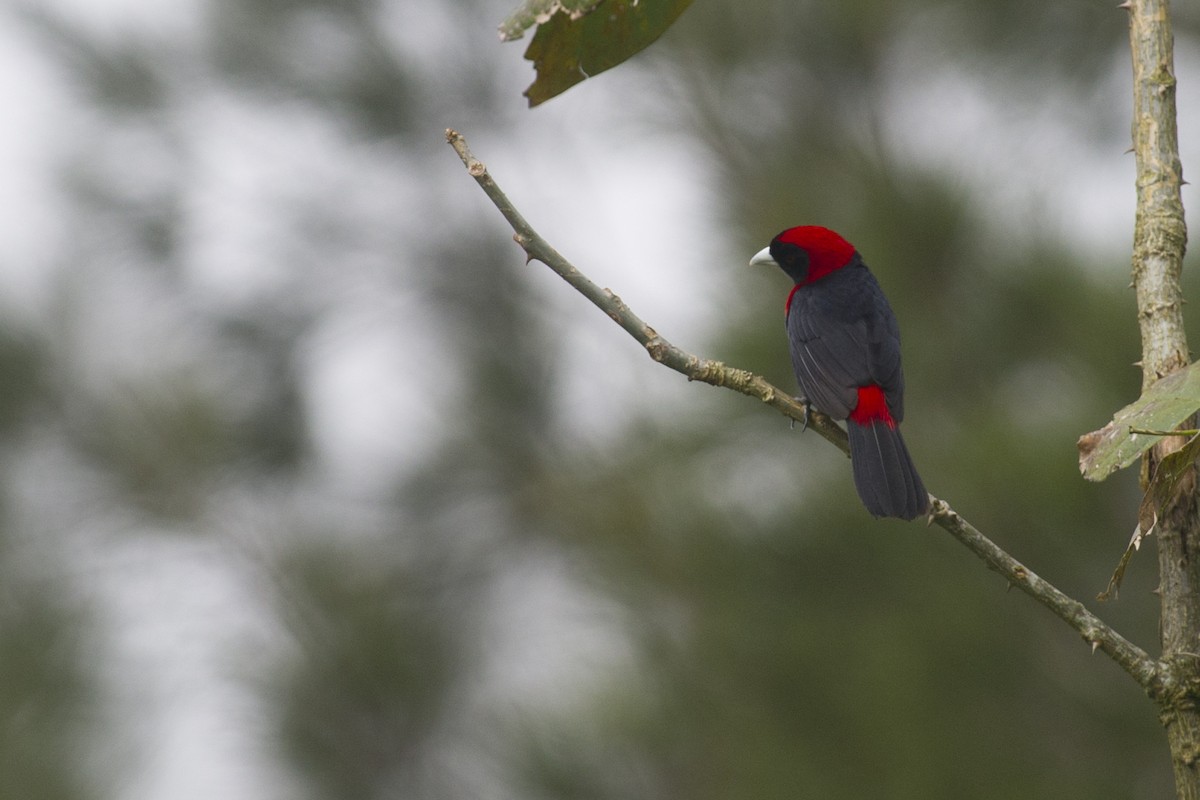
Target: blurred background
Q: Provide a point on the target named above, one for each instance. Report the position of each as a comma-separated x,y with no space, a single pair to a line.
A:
311,488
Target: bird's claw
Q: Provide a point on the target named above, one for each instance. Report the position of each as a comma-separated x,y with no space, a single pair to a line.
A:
807,414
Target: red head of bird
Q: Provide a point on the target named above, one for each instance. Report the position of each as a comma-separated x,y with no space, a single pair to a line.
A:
807,253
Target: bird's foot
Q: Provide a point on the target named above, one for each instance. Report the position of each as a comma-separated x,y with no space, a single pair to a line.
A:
807,414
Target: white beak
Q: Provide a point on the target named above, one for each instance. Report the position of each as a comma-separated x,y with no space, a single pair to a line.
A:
763,259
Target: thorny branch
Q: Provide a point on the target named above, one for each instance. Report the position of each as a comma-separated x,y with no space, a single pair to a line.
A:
1144,669
1159,243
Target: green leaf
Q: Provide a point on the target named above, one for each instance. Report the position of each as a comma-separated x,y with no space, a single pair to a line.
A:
577,39
1162,407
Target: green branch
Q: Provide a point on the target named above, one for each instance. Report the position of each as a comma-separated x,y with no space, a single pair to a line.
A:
1099,635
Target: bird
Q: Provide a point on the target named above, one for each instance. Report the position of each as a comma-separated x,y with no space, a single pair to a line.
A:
845,346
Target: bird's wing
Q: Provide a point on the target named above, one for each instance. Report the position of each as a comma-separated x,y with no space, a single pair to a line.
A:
843,338
829,359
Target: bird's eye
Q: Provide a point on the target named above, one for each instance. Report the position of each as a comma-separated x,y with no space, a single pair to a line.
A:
792,258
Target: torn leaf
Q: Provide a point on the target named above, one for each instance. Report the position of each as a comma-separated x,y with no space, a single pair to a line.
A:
1162,407
578,39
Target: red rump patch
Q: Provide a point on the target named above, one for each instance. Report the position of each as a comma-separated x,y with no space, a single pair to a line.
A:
872,405
827,250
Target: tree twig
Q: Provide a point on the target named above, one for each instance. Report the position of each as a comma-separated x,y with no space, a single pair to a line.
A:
1144,669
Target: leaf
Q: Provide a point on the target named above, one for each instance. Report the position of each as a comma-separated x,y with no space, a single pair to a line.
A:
1135,543
1162,491
577,39
1164,485
1135,428
535,12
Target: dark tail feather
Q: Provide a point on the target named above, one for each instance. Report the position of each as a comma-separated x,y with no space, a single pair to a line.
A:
884,475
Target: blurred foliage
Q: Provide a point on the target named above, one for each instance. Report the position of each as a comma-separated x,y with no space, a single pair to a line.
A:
48,695
360,705
780,642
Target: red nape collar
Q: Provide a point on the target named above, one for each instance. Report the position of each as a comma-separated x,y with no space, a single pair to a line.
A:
787,307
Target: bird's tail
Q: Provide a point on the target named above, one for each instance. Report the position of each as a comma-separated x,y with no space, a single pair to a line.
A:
884,475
